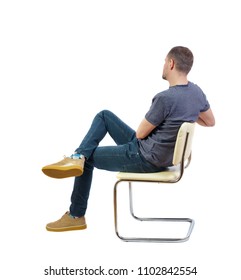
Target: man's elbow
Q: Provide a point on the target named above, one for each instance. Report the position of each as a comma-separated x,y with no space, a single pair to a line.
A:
140,135
206,123
210,123
208,118
213,123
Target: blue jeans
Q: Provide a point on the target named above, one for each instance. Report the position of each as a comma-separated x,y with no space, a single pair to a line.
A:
124,156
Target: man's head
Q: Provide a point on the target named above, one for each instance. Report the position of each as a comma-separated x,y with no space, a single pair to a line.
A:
179,59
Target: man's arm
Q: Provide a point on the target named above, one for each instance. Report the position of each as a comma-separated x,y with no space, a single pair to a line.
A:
206,118
144,129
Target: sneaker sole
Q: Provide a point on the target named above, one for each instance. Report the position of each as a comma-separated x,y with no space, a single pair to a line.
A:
66,228
62,172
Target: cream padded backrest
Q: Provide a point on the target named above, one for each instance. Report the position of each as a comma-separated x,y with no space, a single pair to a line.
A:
180,142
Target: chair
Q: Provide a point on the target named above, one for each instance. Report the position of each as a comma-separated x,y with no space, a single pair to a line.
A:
181,159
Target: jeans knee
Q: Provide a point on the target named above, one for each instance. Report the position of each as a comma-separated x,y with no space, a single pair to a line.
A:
104,113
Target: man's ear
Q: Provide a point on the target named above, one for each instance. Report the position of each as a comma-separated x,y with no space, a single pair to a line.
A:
171,63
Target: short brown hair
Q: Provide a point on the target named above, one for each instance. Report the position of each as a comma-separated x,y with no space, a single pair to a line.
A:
182,57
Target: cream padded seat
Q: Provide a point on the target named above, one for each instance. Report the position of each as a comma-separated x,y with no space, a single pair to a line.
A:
170,174
181,156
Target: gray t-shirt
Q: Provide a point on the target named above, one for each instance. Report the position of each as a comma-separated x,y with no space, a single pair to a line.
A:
169,109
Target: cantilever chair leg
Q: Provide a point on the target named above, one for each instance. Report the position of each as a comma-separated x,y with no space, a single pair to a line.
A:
149,239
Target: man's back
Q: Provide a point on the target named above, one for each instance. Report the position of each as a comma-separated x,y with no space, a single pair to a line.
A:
169,109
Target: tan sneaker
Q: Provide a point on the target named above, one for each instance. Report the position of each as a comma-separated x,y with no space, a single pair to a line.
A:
68,167
67,223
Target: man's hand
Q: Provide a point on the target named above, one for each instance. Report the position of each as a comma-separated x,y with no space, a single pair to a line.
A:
144,129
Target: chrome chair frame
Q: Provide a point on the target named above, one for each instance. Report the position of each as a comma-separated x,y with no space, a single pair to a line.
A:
191,222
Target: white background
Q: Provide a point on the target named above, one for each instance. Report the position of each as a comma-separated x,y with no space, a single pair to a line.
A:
63,61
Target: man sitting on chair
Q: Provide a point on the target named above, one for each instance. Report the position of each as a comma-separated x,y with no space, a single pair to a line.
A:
148,149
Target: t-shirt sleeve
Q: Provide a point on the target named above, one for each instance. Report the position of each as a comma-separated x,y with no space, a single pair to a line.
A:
158,110
206,104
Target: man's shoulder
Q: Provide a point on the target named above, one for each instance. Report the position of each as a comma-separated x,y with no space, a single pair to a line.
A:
162,94
174,91
195,86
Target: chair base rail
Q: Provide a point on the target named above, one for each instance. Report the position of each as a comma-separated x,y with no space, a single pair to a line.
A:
150,219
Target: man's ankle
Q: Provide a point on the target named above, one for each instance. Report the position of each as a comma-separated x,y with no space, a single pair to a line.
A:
76,156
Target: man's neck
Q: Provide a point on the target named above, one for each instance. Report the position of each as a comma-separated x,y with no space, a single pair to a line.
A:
177,81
